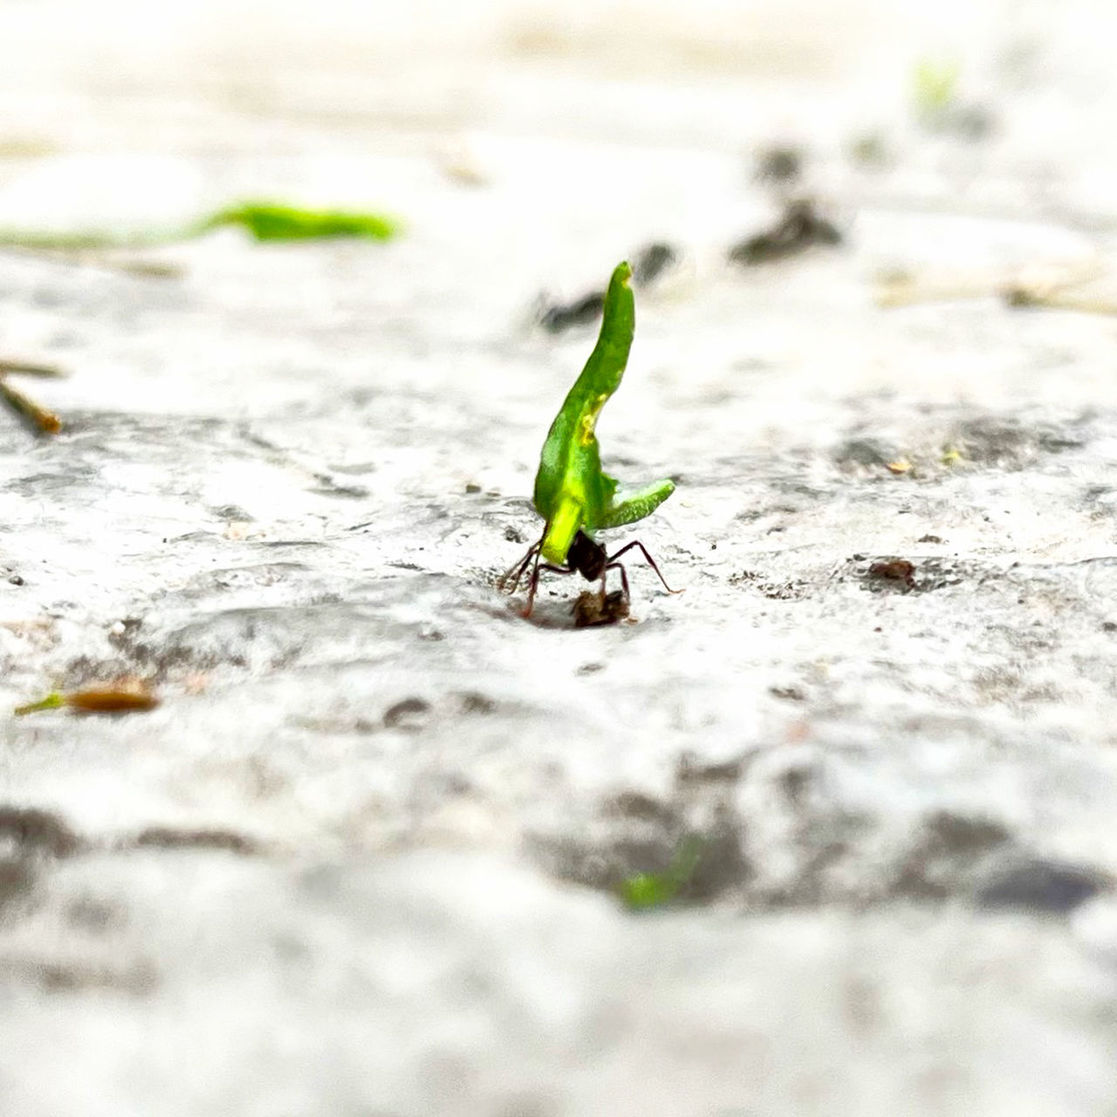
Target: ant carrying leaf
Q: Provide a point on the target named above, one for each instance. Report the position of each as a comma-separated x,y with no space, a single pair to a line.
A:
572,494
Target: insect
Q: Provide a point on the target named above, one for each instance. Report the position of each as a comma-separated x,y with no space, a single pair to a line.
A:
572,494
798,229
650,262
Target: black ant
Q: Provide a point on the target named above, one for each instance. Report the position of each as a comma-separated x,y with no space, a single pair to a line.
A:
586,557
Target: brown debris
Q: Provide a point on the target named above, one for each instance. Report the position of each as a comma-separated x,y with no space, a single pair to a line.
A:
111,700
39,419
896,570
126,697
29,368
591,609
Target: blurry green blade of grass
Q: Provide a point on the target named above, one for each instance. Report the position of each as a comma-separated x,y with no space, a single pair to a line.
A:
643,891
265,221
274,221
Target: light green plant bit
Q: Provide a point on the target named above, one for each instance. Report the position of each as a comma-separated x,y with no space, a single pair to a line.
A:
642,891
575,497
53,701
265,221
273,221
935,86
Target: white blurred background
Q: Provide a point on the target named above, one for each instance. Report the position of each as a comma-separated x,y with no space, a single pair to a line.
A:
101,103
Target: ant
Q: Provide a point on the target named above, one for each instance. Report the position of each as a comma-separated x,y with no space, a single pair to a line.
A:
586,557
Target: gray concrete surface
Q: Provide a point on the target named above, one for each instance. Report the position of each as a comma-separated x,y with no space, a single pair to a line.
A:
363,858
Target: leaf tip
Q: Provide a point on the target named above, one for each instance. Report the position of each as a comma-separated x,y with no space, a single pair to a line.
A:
51,702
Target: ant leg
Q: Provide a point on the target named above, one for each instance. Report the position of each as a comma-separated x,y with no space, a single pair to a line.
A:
648,558
533,584
516,573
539,568
624,579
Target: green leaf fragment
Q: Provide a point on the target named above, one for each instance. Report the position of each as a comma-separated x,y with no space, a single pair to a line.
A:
646,890
274,221
265,221
572,493
643,891
52,702
936,86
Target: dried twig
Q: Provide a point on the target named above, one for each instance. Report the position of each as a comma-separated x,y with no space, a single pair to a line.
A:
39,419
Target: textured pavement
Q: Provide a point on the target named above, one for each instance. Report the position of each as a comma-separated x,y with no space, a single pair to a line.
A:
364,857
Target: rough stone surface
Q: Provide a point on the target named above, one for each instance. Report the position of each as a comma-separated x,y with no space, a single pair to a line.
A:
364,858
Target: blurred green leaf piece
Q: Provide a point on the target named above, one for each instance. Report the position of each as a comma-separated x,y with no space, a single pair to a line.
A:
644,891
935,86
53,701
274,221
264,221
